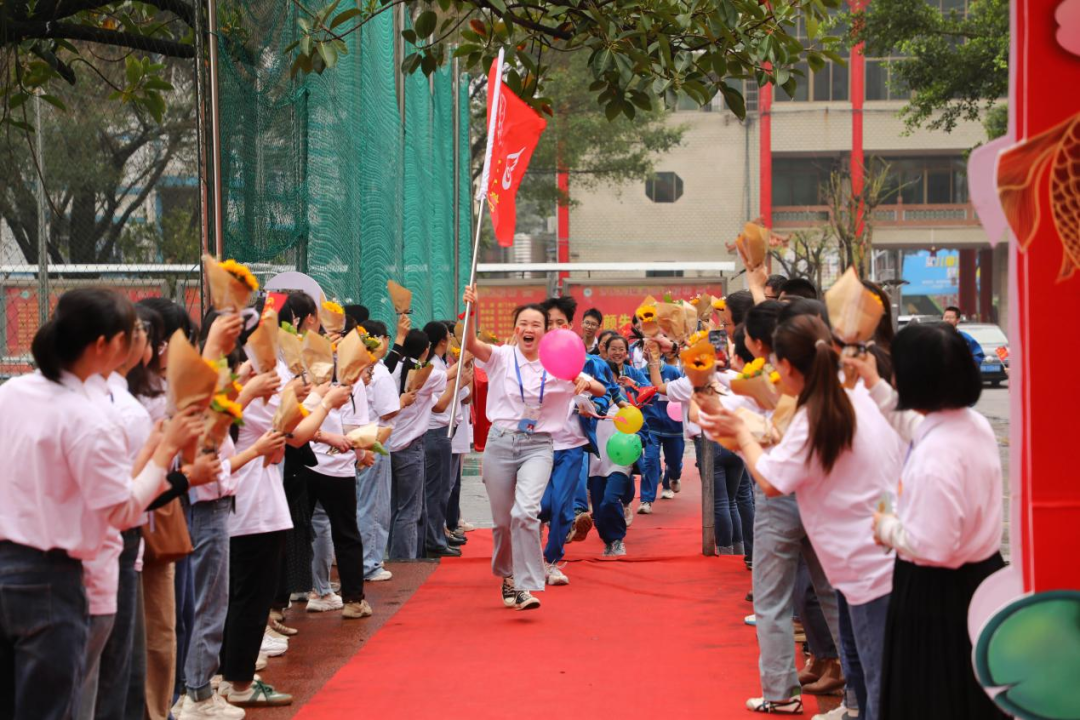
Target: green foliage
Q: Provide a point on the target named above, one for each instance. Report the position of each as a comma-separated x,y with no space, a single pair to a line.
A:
175,240
956,65
641,55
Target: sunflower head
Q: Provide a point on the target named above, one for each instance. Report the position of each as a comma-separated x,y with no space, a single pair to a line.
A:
646,313
241,273
700,356
333,307
697,337
753,368
774,377
222,404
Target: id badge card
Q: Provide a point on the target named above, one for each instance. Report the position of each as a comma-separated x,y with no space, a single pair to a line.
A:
530,418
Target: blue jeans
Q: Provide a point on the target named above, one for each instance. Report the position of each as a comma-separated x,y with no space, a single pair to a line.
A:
581,493
608,496
557,505
117,658
209,527
674,449
862,643
453,504
650,472
407,502
184,585
322,556
373,511
42,644
733,502
438,468
808,608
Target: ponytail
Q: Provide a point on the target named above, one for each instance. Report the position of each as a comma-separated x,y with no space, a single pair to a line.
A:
81,317
806,343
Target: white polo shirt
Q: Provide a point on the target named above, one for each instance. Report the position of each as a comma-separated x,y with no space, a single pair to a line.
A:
681,391
68,465
837,508
950,497
505,406
382,394
261,506
442,419
355,412
412,422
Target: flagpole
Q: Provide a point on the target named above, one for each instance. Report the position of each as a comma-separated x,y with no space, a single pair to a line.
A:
481,196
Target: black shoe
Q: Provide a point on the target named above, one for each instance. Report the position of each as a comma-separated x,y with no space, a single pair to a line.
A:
749,597
442,552
524,600
455,541
509,594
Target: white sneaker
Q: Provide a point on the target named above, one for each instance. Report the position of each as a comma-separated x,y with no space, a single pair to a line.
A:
667,494
179,706
325,603
260,662
464,526
272,647
840,713
225,710
297,597
380,576
628,514
676,486
555,576
615,548
645,508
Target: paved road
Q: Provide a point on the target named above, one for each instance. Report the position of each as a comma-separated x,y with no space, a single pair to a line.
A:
994,404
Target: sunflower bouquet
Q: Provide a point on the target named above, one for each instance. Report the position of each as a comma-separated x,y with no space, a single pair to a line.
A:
353,357
231,284
223,414
418,375
291,346
262,344
191,381
753,244
675,320
699,364
758,382
647,314
318,357
332,317
288,415
400,297
370,437
855,312
760,428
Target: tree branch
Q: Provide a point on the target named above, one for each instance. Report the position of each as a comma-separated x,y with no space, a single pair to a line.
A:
15,32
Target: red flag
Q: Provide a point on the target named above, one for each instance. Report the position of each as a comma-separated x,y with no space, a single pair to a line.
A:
517,131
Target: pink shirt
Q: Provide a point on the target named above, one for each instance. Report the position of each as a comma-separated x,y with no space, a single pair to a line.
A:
72,466
837,508
505,407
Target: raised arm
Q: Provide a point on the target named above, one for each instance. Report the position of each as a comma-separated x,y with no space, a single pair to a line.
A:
473,344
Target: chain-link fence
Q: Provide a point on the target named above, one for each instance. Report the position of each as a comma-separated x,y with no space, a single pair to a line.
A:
355,176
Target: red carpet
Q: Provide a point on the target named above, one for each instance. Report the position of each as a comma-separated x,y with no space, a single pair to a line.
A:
658,633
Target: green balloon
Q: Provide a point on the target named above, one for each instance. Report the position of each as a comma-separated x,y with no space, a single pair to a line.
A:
624,449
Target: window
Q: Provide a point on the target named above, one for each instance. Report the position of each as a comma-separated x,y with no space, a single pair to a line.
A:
925,180
663,273
830,83
748,88
800,181
664,187
882,81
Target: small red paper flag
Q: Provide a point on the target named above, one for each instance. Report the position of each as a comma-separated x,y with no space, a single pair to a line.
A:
517,131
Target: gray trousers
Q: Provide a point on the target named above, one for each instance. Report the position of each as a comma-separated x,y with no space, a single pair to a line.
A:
516,470
779,541
407,501
438,480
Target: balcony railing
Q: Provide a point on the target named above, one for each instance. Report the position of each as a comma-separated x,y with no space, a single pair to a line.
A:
898,215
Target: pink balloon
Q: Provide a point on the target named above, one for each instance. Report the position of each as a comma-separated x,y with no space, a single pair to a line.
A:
674,411
562,353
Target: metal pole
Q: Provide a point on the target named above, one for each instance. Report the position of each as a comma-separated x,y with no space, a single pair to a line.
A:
203,196
468,314
708,513
215,125
42,217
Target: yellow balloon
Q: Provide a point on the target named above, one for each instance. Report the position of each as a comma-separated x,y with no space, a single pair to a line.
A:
629,420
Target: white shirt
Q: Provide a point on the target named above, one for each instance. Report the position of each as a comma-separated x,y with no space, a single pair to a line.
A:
67,464
331,462
505,407
157,406
681,391
382,394
462,441
569,435
134,417
226,483
261,506
837,508
412,422
949,503
441,419
356,412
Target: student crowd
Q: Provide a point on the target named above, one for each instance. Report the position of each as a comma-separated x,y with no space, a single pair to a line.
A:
140,578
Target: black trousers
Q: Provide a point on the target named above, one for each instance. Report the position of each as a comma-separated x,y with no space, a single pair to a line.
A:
254,564
338,498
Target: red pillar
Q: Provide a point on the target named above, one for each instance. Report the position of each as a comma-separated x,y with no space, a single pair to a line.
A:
967,282
857,64
986,285
562,235
765,155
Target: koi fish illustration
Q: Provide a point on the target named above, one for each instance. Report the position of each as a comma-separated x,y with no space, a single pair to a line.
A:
1021,172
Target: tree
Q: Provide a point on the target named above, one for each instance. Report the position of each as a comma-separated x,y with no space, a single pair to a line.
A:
956,64
101,164
851,215
803,252
640,55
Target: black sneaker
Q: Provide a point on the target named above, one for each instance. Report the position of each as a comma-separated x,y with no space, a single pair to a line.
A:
525,601
509,595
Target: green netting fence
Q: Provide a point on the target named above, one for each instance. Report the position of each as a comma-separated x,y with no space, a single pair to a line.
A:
322,174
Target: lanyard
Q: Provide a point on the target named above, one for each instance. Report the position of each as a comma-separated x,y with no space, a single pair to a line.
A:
521,384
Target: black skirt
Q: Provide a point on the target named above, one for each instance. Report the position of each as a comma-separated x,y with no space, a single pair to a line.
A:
927,666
